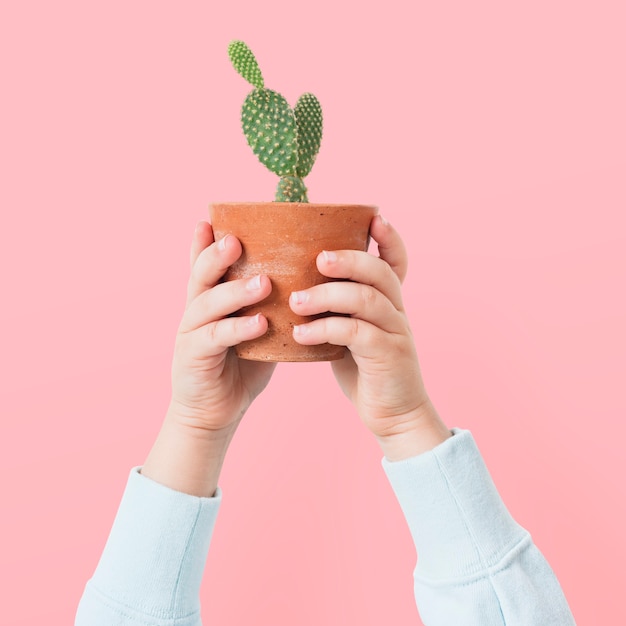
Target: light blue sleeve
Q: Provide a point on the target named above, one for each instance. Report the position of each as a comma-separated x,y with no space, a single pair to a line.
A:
475,565
151,568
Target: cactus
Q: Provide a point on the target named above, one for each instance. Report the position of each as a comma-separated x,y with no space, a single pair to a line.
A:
285,140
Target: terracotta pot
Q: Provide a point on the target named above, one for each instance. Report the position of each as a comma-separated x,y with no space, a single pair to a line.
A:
282,240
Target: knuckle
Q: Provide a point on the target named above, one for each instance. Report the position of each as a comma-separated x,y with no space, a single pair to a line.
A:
202,262
356,262
241,327
389,275
355,328
348,257
367,296
211,332
208,263
323,327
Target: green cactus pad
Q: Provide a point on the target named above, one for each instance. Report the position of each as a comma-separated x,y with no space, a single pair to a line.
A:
270,128
291,189
245,63
308,114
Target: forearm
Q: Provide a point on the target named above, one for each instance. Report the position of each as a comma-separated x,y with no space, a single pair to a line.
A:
475,565
154,559
186,458
151,567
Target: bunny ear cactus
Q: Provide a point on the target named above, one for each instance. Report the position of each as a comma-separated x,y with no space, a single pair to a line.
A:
285,140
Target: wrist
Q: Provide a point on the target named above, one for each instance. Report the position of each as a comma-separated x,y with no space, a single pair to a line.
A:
202,420
421,431
198,424
187,458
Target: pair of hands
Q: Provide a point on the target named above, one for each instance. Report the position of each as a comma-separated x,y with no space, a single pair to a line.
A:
212,388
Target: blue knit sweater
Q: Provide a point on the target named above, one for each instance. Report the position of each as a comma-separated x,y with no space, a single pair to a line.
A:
476,566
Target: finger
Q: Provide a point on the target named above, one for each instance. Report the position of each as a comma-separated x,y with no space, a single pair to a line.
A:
391,248
356,299
211,264
230,331
202,238
362,267
223,300
361,338
214,338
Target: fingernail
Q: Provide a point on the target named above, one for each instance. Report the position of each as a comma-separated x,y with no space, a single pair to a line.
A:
253,321
383,221
300,330
298,297
254,283
221,244
329,257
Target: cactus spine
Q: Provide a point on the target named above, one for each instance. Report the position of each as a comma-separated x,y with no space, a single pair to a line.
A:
285,140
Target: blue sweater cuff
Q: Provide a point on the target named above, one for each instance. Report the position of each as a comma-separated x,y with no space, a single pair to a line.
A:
458,522
156,552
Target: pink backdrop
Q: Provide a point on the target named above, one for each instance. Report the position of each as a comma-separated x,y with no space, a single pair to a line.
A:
493,137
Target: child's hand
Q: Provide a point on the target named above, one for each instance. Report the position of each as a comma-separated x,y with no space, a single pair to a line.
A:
380,374
211,387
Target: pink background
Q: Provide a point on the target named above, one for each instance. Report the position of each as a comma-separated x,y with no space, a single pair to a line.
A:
492,136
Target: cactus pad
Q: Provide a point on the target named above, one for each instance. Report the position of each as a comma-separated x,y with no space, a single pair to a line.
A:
291,189
286,141
245,63
270,128
308,114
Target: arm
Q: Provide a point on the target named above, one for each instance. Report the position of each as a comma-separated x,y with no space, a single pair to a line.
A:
476,566
152,565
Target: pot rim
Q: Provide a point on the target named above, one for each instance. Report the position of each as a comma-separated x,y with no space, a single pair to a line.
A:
299,205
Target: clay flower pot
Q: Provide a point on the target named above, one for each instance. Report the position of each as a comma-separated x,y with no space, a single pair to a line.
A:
282,240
